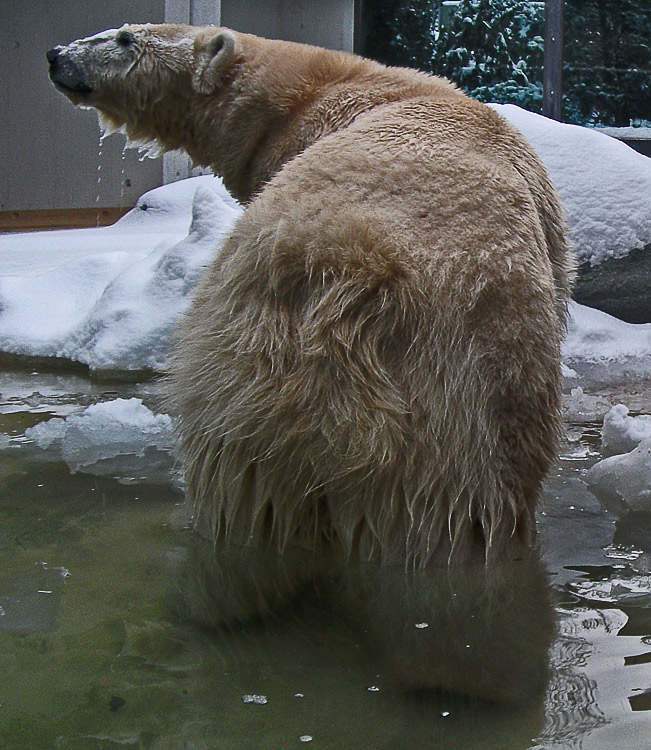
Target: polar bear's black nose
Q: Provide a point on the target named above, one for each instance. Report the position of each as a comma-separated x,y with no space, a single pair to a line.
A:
52,54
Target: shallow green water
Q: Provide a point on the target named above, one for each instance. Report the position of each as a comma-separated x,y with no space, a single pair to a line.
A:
97,649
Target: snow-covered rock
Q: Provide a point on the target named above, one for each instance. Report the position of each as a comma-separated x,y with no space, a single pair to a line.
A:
134,319
621,433
627,476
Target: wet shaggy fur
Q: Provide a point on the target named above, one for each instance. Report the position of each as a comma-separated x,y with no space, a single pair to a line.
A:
373,360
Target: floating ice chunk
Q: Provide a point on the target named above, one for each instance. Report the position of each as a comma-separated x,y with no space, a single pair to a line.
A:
621,552
584,407
615,590
48,434
258,700
103,431
627,475
622,433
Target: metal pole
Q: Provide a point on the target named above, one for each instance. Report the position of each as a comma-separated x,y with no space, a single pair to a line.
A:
357,27
553,60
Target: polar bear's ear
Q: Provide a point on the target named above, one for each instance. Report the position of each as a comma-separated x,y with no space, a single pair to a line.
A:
213,60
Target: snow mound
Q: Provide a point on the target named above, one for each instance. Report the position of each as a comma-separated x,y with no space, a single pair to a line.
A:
134,319
622,433
109,297
105,431
628,476
604,184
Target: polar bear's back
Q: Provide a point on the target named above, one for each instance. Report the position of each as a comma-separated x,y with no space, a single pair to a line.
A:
378,343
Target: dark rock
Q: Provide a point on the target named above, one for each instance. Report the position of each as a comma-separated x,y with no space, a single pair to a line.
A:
618,286
116,703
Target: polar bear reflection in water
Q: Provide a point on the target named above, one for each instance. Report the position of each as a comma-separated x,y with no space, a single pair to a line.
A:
367,385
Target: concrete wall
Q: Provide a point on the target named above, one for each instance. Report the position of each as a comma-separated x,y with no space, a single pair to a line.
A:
326,23
50,154
49,151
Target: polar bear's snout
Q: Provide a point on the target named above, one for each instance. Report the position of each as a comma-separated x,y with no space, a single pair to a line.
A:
65,74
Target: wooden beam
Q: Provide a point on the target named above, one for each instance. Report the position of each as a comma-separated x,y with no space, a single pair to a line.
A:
64,218
553,60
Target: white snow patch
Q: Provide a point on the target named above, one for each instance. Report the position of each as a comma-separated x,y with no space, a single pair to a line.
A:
621,433
604,184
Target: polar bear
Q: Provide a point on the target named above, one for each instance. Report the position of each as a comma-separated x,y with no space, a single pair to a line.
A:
372,363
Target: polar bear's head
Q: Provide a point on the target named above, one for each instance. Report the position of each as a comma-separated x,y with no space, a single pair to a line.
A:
126,73
201,89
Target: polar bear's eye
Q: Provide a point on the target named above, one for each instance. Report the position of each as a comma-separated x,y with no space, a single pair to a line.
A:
124,38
